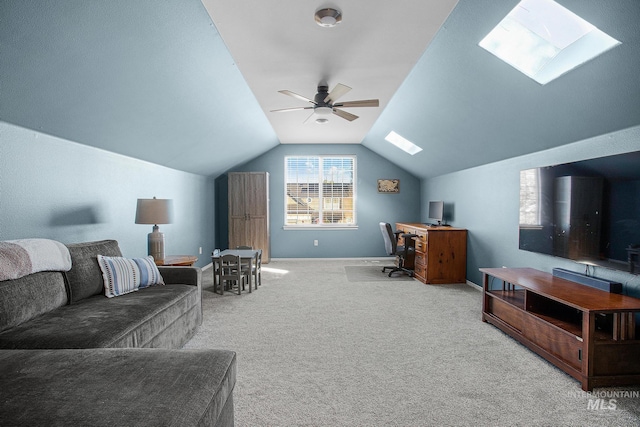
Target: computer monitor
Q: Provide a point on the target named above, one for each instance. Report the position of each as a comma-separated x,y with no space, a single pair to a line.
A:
436,211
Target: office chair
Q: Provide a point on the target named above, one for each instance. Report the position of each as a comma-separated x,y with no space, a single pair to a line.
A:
402,253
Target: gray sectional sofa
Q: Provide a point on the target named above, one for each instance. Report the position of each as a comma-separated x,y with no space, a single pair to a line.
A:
71,356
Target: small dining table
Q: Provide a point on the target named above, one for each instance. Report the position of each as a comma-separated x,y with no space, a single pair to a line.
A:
246,255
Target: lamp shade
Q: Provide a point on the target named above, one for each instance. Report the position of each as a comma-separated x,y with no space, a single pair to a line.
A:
154,211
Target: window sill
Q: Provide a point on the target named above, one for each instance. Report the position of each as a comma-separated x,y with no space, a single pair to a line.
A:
530,227
320,227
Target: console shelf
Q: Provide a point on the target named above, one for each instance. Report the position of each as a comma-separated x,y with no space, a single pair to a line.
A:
588,333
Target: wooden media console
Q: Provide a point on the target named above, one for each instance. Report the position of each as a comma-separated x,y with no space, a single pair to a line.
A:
588,333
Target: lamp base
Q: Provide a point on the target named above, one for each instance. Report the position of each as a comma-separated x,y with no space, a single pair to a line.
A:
155,244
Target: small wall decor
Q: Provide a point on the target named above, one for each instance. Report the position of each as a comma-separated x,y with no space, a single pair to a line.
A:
388,186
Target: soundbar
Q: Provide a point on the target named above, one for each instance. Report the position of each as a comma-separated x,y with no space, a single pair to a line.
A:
594,282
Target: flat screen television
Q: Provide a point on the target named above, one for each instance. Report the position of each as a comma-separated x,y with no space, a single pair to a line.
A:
587,211
436,211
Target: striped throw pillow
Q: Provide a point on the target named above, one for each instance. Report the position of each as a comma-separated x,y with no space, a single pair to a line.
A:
124,275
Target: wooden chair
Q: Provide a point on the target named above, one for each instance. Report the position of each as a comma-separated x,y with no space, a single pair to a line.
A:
229,273
250,270
258,270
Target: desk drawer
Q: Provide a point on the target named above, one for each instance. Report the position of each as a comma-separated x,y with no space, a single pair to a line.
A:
422,235
421,241
421,245
404,230
421,259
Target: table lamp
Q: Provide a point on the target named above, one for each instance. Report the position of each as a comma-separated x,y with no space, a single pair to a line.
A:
155,211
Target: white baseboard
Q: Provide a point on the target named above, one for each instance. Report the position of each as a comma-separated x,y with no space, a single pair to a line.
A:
474,286
374,259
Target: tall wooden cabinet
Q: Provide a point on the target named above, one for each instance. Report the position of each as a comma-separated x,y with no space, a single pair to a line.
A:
249,211
440,255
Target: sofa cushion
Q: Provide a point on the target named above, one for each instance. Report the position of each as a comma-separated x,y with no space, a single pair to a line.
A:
30,296
124,275
131,320
85,277
117,387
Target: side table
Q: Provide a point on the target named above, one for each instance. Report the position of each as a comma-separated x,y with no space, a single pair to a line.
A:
177,260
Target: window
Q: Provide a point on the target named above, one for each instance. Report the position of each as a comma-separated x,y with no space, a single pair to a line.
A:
544,40
320,191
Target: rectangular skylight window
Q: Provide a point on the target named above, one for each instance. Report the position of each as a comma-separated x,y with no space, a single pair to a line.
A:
402,143
544,40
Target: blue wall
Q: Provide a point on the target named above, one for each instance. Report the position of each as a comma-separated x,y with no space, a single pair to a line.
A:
485,200
53,188
372,207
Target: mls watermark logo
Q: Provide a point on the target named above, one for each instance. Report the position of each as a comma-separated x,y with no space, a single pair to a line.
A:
604,400
600,404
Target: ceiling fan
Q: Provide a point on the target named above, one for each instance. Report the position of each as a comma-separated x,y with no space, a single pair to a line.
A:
324,103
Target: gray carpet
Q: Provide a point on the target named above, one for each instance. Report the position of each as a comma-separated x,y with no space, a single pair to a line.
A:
372,273
315,349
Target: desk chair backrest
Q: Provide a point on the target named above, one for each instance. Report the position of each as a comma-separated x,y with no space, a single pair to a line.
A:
389,237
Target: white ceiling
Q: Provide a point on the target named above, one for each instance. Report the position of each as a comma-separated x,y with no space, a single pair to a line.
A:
278,45
189,84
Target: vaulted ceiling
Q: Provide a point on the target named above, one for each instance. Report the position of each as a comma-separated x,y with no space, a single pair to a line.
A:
191,84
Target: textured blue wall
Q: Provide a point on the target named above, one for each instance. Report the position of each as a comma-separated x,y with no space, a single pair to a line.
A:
485,200
372,207
53,188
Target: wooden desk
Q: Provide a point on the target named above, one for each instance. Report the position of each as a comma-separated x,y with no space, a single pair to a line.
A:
588,333
177,260
440,253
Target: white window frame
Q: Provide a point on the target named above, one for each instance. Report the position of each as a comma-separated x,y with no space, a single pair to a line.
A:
322,198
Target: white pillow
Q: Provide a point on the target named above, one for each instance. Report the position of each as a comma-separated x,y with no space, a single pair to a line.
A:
124,275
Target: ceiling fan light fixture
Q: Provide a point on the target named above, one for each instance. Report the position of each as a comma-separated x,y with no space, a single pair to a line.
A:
328,17
323,111
322,120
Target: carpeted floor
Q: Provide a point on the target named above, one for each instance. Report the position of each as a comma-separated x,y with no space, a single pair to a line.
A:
372,273
316,348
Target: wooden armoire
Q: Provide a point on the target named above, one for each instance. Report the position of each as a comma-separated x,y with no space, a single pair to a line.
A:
249,211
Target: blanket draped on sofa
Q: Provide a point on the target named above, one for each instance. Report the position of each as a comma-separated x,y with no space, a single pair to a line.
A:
19,258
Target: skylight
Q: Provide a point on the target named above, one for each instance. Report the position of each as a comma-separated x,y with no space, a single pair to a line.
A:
544,40
403,143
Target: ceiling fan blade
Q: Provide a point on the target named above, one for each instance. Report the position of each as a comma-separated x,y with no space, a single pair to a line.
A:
295,95
337,92
291,109
344,114
362,103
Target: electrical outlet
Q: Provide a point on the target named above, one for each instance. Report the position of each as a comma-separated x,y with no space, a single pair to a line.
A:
200,250
315,243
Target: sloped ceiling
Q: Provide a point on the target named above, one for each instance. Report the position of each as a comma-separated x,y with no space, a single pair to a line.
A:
190,84
372,51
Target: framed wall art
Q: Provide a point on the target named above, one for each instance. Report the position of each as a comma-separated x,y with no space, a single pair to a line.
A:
390,186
